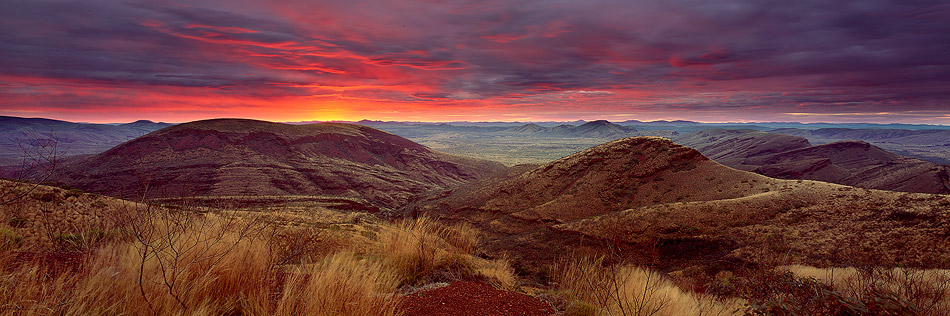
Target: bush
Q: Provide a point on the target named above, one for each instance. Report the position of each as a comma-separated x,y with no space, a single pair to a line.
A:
780,293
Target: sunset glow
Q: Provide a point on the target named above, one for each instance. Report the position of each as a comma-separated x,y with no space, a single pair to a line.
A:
293,60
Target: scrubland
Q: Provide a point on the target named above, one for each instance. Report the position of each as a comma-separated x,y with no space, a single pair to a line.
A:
73,253
158,260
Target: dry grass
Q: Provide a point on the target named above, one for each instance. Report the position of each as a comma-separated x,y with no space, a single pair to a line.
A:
341,284
927,290
418,249
214,271
498,271
628,290
32,290
210,262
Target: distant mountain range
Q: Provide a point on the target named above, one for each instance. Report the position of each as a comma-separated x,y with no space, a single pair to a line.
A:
595,129
853,163
20,137
926,144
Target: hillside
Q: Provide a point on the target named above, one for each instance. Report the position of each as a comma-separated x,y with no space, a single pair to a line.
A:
22,135
853,163
926,144
731,147
236,157
682,209
50,217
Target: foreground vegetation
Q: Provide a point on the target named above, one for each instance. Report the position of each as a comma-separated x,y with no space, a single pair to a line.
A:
73,253
151,260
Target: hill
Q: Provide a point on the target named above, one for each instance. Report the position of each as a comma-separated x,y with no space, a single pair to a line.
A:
25,135
237,157
730,147
926,144
853,163
594,129
672,207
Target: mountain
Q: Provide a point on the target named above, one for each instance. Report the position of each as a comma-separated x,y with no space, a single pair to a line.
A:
853,163
657,202
24,136
926,144
929,136
602,128
594,129
530,128
145,125
237,157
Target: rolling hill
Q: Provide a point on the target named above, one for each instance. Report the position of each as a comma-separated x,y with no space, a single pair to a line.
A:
672,207
594,129
926,144
23,135
237,157
853,163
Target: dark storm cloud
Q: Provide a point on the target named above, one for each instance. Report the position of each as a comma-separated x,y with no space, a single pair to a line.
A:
111,43
779,53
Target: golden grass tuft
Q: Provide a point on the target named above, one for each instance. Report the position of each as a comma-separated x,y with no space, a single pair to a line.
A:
628,290
498,271
340,284
214,271
417,248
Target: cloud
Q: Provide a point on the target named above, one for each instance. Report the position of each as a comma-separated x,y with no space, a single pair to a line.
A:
767,56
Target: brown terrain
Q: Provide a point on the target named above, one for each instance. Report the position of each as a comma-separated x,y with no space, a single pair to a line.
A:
236,157
55,218
466,298
854,163
302,191
670,203
927,144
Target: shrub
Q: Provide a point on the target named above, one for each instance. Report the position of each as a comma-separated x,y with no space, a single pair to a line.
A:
902,291
780,292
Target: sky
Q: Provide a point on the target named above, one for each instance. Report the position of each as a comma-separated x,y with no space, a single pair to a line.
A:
883,61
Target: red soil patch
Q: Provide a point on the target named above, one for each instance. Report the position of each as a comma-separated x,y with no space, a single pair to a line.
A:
463,298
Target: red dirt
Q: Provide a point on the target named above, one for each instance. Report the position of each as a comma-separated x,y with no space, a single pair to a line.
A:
464,298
